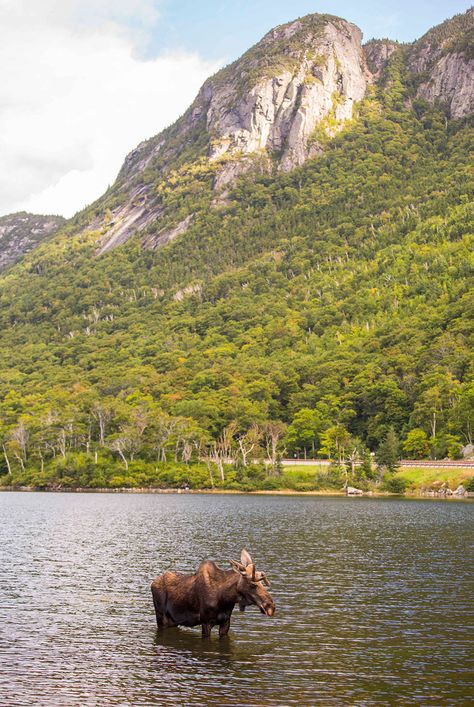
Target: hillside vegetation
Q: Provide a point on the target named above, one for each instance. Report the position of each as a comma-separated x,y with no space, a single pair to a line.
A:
320,311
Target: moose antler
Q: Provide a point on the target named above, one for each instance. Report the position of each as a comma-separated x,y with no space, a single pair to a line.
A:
238,567
256,577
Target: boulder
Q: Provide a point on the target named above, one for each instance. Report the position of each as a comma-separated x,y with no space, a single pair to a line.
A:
460,491
352,491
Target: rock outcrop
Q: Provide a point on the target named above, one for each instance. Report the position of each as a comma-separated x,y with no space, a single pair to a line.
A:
258,113
443,62
377,54
21,232
272,110
451,82
324,78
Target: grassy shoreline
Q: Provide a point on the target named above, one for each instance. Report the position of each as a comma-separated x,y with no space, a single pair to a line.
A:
293,480
215,492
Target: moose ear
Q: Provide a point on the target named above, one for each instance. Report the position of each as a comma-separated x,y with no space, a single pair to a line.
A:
245,558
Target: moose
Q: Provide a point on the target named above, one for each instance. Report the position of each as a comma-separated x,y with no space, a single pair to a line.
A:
208,596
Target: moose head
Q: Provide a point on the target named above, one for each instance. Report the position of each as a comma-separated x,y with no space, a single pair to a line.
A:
250,585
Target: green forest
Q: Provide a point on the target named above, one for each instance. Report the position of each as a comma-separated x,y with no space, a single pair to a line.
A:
325,312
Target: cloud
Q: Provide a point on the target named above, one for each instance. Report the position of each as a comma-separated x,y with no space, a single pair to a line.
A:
77,94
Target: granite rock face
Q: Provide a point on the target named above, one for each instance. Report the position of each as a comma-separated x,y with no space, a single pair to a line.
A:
280,113
451,82
443,62
377,54
21,232
271,110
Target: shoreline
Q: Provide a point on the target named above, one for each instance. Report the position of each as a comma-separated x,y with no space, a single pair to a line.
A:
260,492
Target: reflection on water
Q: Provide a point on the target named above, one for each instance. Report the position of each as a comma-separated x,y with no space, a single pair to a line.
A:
374,602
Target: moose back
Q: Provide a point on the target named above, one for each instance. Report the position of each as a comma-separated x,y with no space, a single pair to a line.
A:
208,596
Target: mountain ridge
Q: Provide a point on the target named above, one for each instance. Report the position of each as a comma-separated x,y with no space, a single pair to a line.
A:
332,301
288,103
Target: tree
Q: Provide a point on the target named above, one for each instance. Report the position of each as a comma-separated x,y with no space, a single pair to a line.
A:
388,455
303,432
273,432
247,443
336,443
221,449
416,444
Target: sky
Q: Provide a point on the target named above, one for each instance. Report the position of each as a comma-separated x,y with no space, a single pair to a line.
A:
82,82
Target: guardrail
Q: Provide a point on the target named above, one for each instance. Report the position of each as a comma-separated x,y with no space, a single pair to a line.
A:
431,463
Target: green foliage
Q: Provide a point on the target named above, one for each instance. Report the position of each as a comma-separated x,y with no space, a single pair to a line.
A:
469,484
302,433
395,484
416,445
335,299
388,454
445,445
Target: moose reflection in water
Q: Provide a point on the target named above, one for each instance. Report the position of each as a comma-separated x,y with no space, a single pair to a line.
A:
208,597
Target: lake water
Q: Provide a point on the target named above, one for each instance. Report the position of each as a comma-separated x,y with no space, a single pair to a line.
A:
374,601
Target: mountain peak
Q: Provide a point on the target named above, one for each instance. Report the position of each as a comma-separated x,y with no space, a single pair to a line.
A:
274,108
273,98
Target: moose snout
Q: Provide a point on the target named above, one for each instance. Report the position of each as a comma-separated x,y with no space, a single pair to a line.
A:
268,608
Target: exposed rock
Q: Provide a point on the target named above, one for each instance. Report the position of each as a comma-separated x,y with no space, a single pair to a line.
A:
21,232
187,292
352,491
377,53
468,450
460,491
231,169
280,113
153,241
443,59
272,109
451,82
129,218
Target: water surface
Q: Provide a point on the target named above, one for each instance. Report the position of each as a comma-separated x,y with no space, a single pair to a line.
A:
374,601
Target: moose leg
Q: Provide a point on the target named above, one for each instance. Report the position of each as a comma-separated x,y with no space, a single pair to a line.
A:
206,630
160,618
224,628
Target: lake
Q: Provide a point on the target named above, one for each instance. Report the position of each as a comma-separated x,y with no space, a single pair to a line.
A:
374,600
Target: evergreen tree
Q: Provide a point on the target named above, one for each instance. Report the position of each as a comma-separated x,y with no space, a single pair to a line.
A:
388,454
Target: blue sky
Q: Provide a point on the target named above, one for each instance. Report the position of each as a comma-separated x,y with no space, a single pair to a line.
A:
84,81
226,28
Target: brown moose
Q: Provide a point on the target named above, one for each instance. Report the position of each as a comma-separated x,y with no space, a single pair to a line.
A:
208,596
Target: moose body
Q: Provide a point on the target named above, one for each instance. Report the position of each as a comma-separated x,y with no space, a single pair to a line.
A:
208,597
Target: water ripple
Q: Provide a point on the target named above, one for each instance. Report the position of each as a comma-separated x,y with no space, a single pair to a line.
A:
374,601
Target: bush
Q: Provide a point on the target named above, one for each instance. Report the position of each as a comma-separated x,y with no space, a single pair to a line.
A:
395,485
469,484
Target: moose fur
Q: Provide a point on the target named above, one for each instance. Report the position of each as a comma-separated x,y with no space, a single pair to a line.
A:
208,596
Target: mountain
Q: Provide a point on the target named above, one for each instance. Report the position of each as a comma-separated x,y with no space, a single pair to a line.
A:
263,112
21,232
293,254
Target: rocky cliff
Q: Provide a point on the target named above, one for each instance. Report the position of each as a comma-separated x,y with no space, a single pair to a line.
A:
443,63
260,112
269,109
21,232
322,76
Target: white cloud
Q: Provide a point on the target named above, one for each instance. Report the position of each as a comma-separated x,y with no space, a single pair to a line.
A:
76,95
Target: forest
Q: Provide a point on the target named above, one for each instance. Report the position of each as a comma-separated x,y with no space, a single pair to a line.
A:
323,312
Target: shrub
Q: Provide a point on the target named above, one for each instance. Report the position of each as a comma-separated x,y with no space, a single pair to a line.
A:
395,485
469,484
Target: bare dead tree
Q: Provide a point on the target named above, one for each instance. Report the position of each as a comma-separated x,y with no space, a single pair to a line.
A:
248,442
273,432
